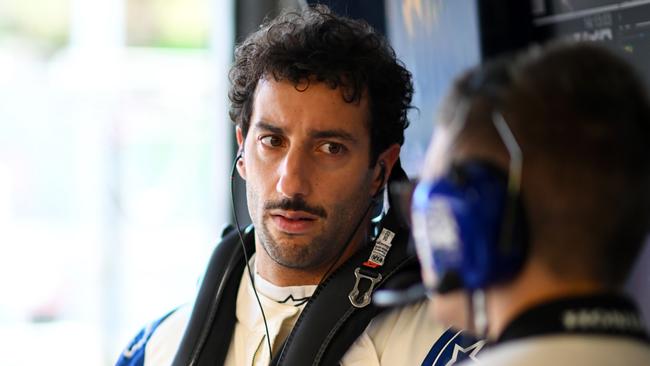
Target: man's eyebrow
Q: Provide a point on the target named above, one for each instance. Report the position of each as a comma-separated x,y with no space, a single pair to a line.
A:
315,134
336,133
269,127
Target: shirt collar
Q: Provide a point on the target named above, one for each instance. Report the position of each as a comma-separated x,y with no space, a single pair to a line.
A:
278,302
599,314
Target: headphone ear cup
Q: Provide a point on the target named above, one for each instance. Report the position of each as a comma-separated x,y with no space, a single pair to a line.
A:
477,200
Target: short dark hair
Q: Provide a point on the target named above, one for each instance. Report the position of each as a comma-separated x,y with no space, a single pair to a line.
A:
582,117
316,44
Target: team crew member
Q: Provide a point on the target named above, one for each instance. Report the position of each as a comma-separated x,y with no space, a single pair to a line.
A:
534,203
320,107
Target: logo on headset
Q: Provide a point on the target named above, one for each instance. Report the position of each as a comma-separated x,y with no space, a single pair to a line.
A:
442,228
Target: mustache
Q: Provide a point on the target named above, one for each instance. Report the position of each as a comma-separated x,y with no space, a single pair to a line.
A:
296,204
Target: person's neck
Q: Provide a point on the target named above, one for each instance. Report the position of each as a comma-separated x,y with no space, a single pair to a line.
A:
282,276
535,285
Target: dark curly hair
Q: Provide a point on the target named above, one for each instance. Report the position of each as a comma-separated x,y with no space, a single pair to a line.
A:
316,44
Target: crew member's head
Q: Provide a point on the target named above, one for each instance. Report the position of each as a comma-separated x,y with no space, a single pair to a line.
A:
575,119
320,106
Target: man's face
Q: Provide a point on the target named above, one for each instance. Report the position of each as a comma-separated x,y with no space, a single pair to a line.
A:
306,165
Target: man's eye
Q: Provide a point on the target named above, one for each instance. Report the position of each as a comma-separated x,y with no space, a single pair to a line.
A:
271,141
332,148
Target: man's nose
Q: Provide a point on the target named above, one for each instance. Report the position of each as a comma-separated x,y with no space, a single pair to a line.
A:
295,174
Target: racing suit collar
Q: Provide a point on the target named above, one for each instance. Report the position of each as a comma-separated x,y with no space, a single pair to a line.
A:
599,314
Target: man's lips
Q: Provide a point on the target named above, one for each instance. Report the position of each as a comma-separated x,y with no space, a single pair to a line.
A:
293,222
294,215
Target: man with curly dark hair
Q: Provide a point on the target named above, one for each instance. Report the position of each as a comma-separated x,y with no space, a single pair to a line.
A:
320,106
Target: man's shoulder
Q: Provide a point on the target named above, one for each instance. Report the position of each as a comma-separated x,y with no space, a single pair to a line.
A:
428,343
568,350
156,344
412,317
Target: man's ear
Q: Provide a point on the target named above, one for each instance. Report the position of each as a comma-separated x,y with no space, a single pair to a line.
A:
384,166
241,166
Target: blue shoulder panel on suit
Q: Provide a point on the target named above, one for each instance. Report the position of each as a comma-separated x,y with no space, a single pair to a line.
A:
133,355
453,346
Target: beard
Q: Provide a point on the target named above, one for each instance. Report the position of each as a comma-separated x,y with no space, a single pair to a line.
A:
315,250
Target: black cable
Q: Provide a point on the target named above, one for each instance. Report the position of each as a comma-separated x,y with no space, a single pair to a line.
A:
248,267
373,201
329,270
336,259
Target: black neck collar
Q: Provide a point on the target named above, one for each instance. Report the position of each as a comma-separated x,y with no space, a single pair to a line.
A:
601,314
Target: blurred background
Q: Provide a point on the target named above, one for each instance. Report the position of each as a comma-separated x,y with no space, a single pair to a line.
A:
114,161
116,146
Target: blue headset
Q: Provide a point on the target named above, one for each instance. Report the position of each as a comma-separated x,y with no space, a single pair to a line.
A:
469,224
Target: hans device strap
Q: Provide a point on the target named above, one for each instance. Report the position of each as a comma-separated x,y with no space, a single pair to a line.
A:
337,313
203,343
